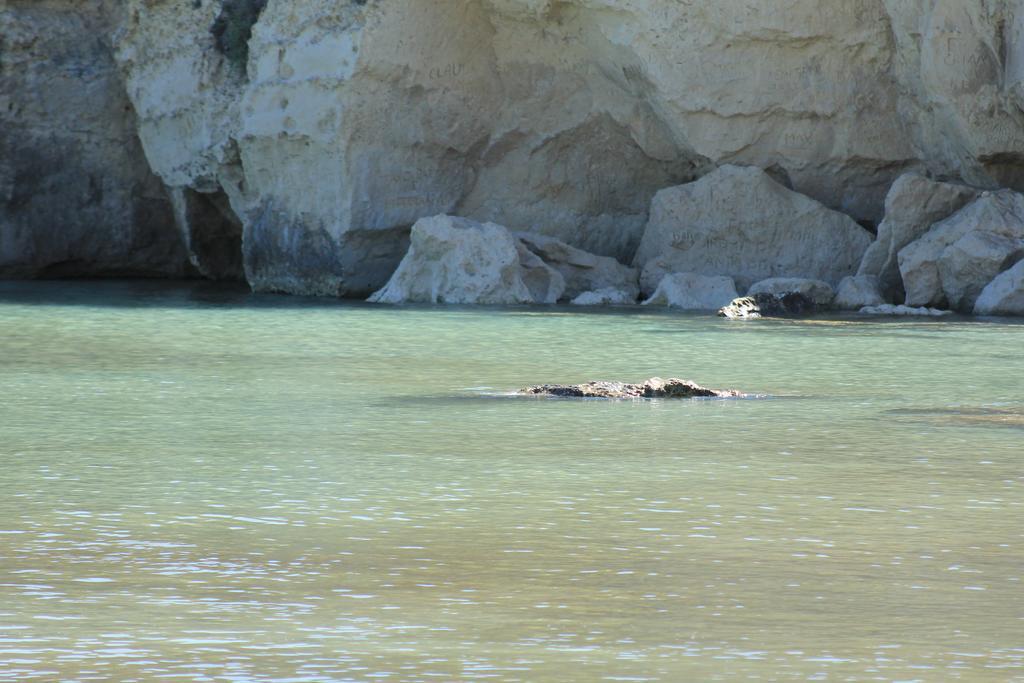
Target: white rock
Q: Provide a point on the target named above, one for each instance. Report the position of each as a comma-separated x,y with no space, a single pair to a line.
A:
858,291
821,293
901,310
694,292
959,256
1004,295
605,297
739,222
458,261
914,204
582,271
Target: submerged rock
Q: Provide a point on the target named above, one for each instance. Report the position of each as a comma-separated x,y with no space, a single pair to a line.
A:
889,309
757,306
692,292
652,388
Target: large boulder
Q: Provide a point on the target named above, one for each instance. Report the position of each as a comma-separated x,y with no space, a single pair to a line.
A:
955,260
1004,295
738,221
582,270
821,293
605,297
458,261
914,204
692,292
856,292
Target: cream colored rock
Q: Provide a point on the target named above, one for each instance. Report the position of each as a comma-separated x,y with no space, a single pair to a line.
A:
605,297
821,293
457,261
914,204
739,222
1004,295
693,292
582,271
958,257
858,291
905,311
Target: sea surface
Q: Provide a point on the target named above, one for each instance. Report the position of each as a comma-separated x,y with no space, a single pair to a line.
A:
198,484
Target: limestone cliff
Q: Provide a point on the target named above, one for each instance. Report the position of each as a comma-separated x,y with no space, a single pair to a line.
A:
302,156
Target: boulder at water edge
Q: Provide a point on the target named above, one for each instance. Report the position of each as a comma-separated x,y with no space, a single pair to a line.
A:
856,292
905,311
738,221
821,293
692,292
1004,295
582,271
458,261
955,260
914,204
608,296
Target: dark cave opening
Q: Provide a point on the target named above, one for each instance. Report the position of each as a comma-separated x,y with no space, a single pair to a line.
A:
214,234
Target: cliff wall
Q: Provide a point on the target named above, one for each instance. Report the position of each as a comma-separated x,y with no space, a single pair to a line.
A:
300,157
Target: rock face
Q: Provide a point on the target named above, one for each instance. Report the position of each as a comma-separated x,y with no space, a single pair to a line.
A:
912,207
955,260
77,196
858,291
458,261
821,293
759,306
1004,295
301,156
652,388
738,221
692,292
582,271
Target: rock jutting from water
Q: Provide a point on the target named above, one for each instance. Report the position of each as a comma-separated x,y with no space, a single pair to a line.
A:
789,305
652,388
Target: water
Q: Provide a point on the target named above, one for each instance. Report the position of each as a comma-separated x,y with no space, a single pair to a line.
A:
201,485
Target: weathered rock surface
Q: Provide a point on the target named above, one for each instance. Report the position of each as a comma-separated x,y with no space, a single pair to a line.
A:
652,388
340,124
769,306
581,270
914,204
908,311
960,256
821,293
1004,295
856,292
605,297
693,292
458,261
738,221
77,196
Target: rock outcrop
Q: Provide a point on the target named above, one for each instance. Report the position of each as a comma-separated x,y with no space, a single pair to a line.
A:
300,141
652,388
1004,295
605,297
759,306
856,292
914,204
692,292
954,261
738,221
458,261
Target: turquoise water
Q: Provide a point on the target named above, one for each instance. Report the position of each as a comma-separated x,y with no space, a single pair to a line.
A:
202,485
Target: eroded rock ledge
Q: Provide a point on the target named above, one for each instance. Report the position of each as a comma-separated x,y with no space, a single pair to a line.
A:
652,388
